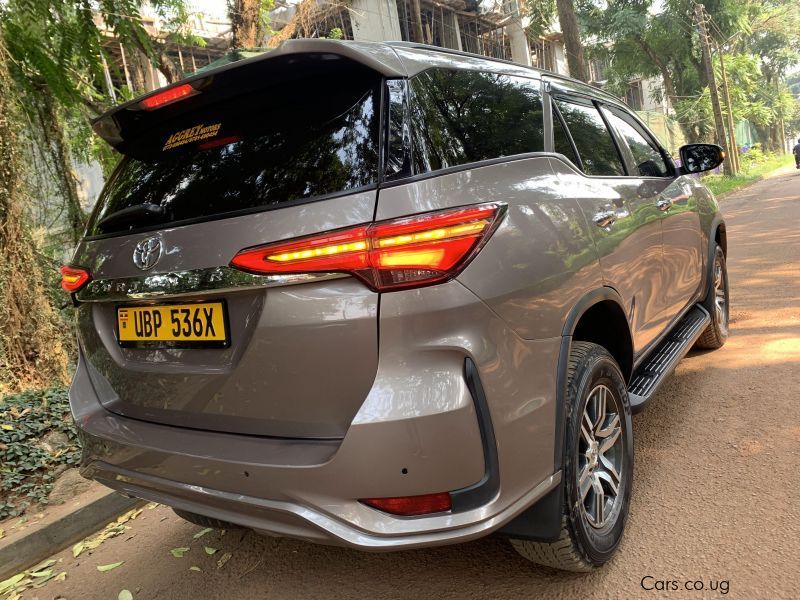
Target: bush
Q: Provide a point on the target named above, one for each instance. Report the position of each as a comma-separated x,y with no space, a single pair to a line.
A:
26,463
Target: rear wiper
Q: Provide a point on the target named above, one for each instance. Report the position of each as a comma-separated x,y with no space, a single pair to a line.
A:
146,211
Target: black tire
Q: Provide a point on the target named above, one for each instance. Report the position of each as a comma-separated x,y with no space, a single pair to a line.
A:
582,545
204,521
716,333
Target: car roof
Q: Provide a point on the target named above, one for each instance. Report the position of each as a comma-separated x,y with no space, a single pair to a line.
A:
392,59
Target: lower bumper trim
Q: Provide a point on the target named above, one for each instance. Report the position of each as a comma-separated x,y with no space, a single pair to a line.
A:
287,519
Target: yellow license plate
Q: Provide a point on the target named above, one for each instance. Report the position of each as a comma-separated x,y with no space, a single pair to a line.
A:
197,324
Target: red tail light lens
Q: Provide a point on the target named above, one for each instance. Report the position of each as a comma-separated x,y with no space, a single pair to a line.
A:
408,506
73,278
390,255
168,96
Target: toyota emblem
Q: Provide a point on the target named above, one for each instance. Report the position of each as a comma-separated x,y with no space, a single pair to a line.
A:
147,253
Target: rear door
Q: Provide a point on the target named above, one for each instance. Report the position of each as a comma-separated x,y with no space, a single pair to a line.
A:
170,332
680,221
626,225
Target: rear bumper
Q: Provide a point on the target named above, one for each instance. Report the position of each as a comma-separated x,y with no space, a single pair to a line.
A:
418,432
290,519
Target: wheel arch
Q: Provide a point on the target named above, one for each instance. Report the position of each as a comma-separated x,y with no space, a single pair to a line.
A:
594,318
599,317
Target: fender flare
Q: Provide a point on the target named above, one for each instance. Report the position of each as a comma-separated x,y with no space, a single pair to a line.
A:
716,223
542,521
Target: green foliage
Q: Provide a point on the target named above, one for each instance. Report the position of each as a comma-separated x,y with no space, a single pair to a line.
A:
540,14
25,465
645,38
754,169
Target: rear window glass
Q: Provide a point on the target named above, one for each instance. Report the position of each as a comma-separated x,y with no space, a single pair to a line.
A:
311,137
459,117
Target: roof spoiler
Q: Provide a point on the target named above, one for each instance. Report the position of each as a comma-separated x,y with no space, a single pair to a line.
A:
115,125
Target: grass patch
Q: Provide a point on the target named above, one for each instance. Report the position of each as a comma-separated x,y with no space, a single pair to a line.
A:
751,171
37,436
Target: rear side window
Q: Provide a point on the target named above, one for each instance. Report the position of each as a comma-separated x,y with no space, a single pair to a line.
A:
308,138
459,117
647,158
595,145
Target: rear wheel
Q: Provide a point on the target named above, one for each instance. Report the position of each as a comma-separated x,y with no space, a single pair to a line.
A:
598,467
717,305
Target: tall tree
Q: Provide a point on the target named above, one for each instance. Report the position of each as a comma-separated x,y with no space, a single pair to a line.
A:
29,350
249,22
572,39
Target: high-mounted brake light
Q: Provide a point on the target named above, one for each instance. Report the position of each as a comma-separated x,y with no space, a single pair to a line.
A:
73,278
389,255
168,96
408,506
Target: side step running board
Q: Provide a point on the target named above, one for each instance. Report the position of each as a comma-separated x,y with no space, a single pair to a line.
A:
664,358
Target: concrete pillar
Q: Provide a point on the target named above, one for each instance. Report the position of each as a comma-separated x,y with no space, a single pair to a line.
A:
520,50
560,59
451,33
375,20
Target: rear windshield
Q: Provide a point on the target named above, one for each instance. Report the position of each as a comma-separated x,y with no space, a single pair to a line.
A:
311,137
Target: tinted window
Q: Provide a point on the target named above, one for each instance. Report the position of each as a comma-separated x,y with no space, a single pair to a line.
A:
647,158
592,139
261,149
460,117
561,142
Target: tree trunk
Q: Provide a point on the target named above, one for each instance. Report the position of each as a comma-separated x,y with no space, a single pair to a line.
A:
245,18
161,61
572,39
30,350
58,148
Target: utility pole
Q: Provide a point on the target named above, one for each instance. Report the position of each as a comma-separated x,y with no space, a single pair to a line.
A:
734,155
719,126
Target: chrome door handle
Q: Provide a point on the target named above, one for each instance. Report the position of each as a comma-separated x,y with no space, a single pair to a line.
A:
605,218
663,204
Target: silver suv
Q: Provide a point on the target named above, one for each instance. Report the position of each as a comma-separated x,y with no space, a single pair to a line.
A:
386,296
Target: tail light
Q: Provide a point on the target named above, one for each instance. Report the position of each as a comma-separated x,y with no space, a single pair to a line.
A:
74,278
408,506
389,255
168,96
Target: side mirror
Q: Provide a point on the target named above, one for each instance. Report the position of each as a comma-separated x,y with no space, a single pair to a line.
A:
696,158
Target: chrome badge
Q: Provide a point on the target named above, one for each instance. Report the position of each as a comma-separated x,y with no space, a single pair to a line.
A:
147,253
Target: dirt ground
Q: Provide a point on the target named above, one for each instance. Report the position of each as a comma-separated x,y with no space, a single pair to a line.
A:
715,499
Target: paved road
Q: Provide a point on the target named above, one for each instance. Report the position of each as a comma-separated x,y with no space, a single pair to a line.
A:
716,493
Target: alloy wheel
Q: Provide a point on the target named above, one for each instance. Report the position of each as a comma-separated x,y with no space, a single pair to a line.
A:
720,296
600,455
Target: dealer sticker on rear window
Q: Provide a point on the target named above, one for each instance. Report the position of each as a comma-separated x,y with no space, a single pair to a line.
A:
193,134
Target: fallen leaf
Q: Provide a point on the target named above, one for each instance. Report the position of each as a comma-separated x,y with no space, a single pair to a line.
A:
195,568
44,565
11,582
7,427
77,549
210,551
179,552
61,576
2,531
125,595
46,573
223,559
105,568
3,446
152,505
197,535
